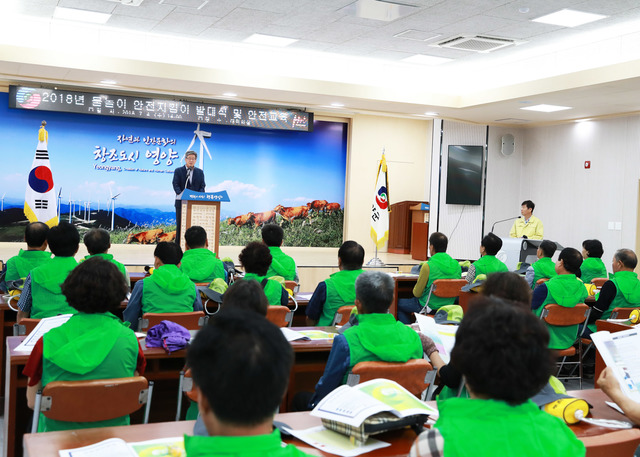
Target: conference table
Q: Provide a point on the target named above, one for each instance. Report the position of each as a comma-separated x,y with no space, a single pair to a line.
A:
48,444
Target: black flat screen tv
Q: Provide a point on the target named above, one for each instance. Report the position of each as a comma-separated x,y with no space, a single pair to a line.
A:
464,175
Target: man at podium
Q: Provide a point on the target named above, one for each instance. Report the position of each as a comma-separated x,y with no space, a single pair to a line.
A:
186,177
527,226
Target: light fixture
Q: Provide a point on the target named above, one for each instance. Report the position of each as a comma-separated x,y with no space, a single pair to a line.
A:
108,81
422,59
546,108
269,40
569,18
431,113
337,104
582,120
229,94
74,14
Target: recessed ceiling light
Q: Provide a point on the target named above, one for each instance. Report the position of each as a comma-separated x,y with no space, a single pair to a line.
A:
73,14
379,10
546,108
422,59
582,120
229,94
431,113
269,40
108,81
569,18
337,105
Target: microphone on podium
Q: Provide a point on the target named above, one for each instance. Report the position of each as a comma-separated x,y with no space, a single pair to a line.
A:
504,220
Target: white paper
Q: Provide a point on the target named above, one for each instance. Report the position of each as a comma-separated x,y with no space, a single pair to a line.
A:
444,336
303,296
614,406
106,448
619,351
334,442
43,327
292,335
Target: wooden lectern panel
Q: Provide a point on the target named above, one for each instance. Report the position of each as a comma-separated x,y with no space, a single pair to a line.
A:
400,227
420,241
206,214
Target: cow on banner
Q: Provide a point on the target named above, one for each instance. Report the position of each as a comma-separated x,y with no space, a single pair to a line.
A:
40,197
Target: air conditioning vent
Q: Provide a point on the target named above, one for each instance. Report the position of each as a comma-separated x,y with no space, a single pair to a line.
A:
513,120
477,43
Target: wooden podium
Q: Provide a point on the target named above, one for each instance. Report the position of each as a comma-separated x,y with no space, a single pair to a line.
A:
408,231
203,209
420,231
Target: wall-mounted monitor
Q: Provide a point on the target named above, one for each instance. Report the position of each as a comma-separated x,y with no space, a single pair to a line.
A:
464,175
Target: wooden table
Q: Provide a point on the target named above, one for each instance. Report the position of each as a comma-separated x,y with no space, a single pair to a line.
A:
611,327
600,410
403,289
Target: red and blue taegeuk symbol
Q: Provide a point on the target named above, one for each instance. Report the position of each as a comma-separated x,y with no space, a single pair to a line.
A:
381,198
40,179
27,98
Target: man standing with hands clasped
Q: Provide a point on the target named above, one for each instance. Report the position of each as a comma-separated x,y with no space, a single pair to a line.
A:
186,177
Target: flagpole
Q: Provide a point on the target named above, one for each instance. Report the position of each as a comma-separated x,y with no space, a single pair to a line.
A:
380,208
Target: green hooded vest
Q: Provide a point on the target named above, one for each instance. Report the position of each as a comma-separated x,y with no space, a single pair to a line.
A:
281,265
567,291
201,265
592,267
341,291
543,268
88,346
627,295
168,290
489,428
19,266
110,258
380,337
47,298
489,264
240,446
273,289
441,266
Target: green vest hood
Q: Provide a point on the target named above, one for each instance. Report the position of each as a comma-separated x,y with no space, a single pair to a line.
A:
592,267
566,290
26,261
52,274
344,282
272,289
201,265
109,257
444,263
543,268
489,264
628,285
170,279
281,264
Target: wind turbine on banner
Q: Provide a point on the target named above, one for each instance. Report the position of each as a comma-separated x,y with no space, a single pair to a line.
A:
201,135
113,206
59,198
2,204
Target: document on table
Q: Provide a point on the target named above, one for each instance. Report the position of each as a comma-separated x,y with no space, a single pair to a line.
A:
43,327
334,442
164,447
619,351
444,336
292,335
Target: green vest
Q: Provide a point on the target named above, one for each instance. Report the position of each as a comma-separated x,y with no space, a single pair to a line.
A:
441,266
380,337
88,346
281,265
627,293
168,290
592,267
543,268
47,298
110,258
240,446
19,266
341,291
567,291
489,264
273,289
201,265
494,428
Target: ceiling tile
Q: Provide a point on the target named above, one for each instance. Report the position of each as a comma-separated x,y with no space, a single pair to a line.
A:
189,24
146,10
100,6
215,8
218,34
185,3
247,20
131,23
338,33
275,6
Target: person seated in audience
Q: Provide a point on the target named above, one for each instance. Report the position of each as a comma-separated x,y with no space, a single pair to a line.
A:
440,266
610,386
98,243
621,291
527,225
544,267
167,290
41,295
246,295
339,289
255,258
497,344
592,265
19,266
566,290
488,262
240,364
377,337
93,344
281,264
198,262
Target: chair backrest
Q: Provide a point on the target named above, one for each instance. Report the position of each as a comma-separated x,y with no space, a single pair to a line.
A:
25,326
447,288
94,400
185,387
598,282
621,313
191,321
292,286
415,375
562,316
463,301
281,316
342,315
541,281
619,443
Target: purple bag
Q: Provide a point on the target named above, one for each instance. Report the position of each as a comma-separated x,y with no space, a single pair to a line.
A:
168,335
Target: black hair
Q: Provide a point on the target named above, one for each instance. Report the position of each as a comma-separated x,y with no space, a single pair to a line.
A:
97,241
168,252
571,259
509,286
627,257
593,247
195,237
352,255
529,204
374,289
95,286
492,243
247,295
272,235
439,242
241,363
256,258
190,153
501,350
63,239
548,248
35,234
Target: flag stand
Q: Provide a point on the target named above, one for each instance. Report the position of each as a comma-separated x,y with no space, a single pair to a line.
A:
375,262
